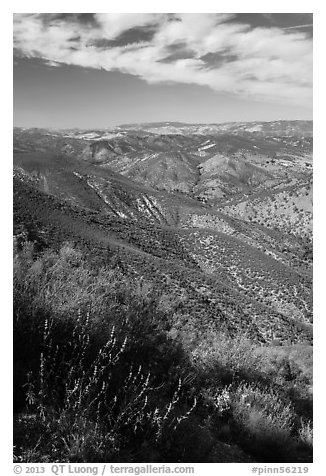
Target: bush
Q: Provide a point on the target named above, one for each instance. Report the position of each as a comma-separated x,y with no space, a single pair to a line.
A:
222,358
98,388
306,433
265,421
97,410
105,370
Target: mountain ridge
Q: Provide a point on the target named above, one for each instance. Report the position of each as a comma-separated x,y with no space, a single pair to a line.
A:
186,255
210,201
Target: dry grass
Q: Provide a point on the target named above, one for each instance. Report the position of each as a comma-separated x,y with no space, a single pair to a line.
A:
102,376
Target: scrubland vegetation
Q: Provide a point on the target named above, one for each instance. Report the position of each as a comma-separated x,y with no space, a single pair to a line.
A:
103,373
153,326
288,209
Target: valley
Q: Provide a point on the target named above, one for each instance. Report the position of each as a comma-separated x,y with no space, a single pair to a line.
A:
233,202
212,223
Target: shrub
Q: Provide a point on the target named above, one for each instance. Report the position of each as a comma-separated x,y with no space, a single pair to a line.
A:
96,406
265,420
226,359
306,433
105,370
61,283
97,388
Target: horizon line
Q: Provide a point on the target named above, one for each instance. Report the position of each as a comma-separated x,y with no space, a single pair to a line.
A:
160,122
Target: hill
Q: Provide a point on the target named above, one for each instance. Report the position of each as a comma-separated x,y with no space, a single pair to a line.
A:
183,231
187,249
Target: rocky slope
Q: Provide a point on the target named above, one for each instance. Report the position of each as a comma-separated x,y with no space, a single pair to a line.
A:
220,219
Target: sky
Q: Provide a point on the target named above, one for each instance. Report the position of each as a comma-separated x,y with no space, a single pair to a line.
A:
100,70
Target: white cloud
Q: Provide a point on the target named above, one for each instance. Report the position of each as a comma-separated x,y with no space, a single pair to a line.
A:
113,24
298,27
267,63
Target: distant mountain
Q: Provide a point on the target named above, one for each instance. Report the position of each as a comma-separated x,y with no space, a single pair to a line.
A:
279,128
217,168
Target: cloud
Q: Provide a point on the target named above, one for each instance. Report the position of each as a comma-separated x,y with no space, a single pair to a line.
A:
265,63
113,24
309,25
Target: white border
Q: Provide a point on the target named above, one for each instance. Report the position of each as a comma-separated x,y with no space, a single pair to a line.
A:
231,6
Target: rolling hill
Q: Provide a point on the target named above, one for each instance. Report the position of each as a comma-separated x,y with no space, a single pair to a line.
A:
180,250
215,215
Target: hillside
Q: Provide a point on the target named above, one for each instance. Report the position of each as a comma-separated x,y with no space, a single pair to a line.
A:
199,231
210,226
231,162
